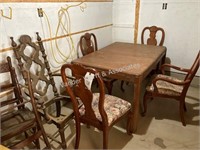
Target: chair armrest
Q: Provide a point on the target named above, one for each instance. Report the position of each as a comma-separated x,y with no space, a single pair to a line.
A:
59,74
174,67
168,80
55,99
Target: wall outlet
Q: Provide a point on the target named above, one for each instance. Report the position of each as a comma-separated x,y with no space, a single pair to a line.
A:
164,6
40,12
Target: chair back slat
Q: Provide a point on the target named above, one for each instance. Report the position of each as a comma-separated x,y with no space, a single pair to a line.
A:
10,88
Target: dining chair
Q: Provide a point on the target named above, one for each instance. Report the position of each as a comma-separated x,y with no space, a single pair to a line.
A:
98,109
31,56
152,40
88,44
20,126
164,86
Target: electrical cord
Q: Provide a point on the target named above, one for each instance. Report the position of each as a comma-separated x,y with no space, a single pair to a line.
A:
63,14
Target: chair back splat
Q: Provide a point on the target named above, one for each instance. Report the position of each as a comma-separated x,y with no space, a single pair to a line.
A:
88,43
92,107
152,36
31,56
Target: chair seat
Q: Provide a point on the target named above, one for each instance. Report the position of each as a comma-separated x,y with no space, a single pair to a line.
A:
16,122
115,107
166,87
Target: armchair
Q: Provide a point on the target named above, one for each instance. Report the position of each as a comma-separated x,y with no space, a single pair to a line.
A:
170,87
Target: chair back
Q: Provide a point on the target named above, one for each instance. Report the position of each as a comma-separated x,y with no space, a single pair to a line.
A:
152,36
88,43
78,91
9,87
16,117
32,57
194,68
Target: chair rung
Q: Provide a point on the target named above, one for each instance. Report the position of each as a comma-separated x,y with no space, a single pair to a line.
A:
27,140
5,92
8,102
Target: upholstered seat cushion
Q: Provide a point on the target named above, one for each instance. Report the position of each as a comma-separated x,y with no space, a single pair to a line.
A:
115,107
166,87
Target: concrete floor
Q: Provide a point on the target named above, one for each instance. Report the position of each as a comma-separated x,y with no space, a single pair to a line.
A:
159,129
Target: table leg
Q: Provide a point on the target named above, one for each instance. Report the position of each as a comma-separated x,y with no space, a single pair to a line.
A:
133,118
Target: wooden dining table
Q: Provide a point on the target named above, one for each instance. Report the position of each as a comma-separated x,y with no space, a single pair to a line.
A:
128,62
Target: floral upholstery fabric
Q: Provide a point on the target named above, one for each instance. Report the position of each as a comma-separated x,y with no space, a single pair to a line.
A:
166,87
115,107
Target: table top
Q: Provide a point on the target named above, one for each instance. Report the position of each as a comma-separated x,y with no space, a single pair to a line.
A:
124,59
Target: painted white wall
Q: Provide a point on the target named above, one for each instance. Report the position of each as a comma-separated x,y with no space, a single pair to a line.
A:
181,22
25,20
123,20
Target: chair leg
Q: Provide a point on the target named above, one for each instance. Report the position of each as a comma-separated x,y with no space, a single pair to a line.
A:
122,83
129,122
181,109
62,136
185,109
37,143
146,97
109,87
105,138
78,134
46,141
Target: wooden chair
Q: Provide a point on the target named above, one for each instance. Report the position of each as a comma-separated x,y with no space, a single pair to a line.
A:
99,109
20,126
152,36
31,56
88,44
170,87
152,40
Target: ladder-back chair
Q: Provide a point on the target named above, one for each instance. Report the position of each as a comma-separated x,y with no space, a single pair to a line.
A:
20,126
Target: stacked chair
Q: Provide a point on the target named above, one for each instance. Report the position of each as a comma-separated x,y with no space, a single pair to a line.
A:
21,125
32,57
